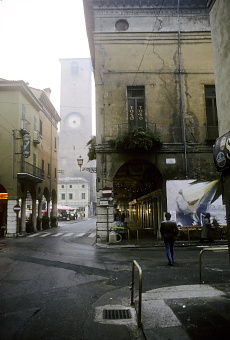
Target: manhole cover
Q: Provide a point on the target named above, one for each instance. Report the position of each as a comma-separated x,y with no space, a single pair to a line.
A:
116,314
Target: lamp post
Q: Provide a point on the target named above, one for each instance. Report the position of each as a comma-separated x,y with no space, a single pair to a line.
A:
80,163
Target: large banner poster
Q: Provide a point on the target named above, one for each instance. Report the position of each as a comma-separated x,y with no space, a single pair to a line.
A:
189,200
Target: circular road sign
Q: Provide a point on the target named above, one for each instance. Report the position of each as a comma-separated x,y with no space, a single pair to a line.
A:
17,208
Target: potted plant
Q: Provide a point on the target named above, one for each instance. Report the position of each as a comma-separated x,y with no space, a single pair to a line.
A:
137,139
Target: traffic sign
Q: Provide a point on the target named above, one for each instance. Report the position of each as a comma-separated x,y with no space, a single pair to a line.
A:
17,208
107,192
104,203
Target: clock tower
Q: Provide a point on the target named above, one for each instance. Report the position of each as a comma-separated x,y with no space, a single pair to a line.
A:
76,114
75,133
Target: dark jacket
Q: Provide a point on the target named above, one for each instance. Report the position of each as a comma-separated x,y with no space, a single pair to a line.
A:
169,231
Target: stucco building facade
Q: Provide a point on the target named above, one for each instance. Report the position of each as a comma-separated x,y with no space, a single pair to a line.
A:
154,72
75,193
220,28
28,155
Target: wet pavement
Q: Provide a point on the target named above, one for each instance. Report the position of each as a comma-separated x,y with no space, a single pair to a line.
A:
183,312
187,312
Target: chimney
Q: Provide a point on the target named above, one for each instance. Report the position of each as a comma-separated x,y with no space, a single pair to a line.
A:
47,92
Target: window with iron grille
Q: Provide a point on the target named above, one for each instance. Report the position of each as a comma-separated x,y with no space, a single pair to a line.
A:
23,112
40,128
35,123
136,106
25,125
43,168
211,112
34,163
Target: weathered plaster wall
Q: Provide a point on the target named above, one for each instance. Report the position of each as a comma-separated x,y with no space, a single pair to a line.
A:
220,24
122,60
147,55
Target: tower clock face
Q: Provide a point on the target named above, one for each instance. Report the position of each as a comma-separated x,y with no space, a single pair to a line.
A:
74,120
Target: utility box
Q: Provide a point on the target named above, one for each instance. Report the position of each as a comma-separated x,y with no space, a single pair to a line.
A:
112,238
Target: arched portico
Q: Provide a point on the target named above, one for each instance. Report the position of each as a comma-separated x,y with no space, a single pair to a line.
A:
138,186
132,180
135,179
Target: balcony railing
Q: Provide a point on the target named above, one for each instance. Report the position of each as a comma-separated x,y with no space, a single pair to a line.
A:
25,127
31,172
124,128
36,137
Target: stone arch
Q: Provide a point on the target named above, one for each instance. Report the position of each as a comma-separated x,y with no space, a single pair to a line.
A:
138,188
135,179
46,193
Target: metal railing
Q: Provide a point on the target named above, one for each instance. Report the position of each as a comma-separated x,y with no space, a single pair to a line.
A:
25,127
140,291
32,170
200,257
125,127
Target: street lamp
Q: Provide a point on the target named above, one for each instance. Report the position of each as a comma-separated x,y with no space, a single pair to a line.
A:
80,162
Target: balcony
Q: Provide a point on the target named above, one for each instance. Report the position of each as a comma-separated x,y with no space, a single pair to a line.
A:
144,138
25,127
125,128
31,173
37,137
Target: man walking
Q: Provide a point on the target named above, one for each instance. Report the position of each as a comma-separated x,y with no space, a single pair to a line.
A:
169,232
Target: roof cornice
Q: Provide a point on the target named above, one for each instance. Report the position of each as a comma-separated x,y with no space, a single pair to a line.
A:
21,86
192,4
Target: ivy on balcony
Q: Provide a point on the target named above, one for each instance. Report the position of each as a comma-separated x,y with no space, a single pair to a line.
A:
137,139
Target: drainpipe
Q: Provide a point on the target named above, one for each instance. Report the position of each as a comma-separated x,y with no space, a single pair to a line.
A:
181,83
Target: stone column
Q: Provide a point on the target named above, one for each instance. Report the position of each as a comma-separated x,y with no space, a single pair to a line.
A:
54,209
40,213
48,211
48,208
34,215
86,211
105,219
11,219
23,216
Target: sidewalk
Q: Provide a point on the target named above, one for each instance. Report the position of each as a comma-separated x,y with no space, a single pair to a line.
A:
194,312
139,237
185,312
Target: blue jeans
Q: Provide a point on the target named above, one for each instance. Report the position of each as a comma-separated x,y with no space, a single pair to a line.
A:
169,251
